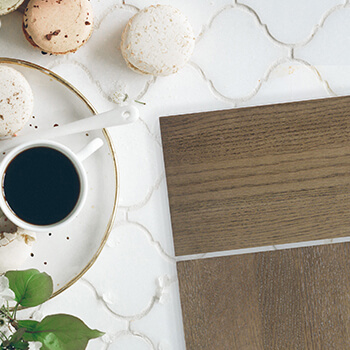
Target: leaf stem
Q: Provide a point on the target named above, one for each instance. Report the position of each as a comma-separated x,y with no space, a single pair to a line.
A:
12,319
15,311
3,336
140,102
5,312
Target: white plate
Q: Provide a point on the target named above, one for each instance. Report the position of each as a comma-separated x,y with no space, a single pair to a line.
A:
68,252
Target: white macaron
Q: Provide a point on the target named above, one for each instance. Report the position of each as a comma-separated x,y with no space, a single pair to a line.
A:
7,6
158,40
15,248
16,101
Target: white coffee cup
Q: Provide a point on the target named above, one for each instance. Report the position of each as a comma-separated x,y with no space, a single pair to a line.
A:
76,160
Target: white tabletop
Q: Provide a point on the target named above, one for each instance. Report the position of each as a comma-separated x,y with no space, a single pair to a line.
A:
248,52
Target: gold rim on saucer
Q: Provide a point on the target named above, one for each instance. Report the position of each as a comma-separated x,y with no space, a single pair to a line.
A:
5,60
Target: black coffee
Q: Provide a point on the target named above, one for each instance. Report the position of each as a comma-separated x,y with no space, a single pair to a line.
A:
41,186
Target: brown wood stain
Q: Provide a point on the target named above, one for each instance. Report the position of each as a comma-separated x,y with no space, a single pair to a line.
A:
258,176
253,177
296,299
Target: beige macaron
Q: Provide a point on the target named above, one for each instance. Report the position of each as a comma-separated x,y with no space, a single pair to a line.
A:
58,26
16,101
158,40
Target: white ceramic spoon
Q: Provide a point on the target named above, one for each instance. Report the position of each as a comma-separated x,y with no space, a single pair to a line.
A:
118,116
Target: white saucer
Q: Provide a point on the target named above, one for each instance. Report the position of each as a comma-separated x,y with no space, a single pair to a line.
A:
68,252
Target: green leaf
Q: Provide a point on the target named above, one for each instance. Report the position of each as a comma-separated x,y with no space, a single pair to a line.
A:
29,325
20,345
62,332
31,287
18,335
16,341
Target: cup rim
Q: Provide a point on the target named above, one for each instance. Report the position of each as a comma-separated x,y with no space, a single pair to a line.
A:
5,207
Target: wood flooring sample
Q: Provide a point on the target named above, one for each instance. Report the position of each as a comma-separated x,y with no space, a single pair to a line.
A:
297,299
258,176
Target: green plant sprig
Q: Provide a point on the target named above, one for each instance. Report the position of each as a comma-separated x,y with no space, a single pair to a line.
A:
55,332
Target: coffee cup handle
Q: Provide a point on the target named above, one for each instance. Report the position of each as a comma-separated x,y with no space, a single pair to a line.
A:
89,149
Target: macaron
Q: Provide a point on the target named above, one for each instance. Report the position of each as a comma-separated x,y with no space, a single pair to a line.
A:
16,101
7,6
158,40
58,26
15,249
15,245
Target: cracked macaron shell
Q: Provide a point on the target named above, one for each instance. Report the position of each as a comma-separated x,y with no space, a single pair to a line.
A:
158,40
58,26
16,101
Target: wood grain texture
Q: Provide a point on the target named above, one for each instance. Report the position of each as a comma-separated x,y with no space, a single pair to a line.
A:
297,299
258,176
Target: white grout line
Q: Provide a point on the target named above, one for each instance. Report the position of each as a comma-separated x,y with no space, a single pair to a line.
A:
261,249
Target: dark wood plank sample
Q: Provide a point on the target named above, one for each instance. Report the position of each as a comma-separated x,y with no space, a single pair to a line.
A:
258,176
290,299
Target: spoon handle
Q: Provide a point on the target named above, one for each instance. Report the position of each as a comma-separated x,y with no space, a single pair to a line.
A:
118,116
